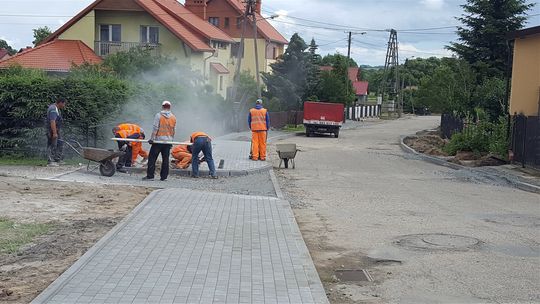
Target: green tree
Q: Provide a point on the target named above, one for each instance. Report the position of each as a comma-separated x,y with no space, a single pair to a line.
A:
332,59
288,79
5,45
40,34
482,38
335,85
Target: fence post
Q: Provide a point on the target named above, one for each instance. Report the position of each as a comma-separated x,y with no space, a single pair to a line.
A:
95,137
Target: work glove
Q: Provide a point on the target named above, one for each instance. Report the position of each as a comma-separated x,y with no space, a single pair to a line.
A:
151,141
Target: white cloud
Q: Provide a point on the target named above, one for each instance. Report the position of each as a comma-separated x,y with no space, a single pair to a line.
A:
433,4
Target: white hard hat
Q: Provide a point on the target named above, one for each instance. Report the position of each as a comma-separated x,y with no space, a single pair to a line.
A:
166,103
259,101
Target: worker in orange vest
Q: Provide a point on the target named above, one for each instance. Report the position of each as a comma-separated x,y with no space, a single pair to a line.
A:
164,130
259,123
201,142
132,149
182,156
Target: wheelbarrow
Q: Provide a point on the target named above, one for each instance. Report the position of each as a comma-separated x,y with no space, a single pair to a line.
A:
286,152
102,156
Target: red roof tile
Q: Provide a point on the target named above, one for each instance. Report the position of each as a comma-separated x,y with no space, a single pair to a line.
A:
353,74
195,23
219,68
181,22
194,40
361,87
265,28
57,55
326,68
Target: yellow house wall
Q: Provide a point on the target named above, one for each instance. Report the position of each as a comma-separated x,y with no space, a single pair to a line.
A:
83,30
248,63
223,57
130,32
525,92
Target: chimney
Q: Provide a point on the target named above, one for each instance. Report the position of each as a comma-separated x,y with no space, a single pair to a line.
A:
258,6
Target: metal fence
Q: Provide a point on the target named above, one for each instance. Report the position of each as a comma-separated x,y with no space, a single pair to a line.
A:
363,111
451,124
526,140
282,119
23,137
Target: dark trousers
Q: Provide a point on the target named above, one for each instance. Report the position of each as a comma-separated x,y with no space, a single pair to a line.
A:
202,144
155,150
55,148
124,160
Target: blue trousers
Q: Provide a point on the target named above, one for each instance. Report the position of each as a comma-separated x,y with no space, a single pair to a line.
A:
202,143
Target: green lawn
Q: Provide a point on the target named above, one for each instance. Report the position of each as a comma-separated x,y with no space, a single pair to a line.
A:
293,128
14,235
22,161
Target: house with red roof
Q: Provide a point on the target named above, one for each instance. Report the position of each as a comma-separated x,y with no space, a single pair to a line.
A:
227,15
57,56
162,26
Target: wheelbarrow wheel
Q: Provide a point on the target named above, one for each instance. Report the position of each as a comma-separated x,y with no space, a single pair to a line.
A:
107,168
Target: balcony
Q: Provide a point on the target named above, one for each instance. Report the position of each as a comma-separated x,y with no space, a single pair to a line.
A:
105,48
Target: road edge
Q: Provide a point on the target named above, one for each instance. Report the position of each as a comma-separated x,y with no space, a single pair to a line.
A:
441,162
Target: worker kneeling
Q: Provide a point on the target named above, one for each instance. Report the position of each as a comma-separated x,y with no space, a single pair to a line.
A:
182,156
259,123
132,149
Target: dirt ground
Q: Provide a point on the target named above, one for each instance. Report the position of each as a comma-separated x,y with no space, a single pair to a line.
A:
78,221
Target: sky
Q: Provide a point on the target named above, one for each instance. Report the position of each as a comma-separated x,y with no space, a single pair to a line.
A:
327,21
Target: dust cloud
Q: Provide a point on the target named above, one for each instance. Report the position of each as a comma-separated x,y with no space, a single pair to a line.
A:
194,103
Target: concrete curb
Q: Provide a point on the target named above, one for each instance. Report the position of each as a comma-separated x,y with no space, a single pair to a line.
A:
57,284
277,188
442,162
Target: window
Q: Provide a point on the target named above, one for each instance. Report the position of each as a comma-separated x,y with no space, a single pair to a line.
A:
234,50
110,32
219,45
220,83
149,34
226,24
274,55
239,22
214,21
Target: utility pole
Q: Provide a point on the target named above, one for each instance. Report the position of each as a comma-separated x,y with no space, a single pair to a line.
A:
353,114
252,4
390,83
236,99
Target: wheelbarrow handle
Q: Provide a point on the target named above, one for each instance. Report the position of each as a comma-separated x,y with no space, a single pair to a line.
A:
72,147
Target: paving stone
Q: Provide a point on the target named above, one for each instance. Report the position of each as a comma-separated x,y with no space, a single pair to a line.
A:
184,246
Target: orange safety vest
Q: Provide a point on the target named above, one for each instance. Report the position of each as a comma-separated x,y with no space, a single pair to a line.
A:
127,129
180,148
197,134
258,119
166,126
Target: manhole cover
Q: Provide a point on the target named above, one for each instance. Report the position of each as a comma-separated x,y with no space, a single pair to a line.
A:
438,241
353,275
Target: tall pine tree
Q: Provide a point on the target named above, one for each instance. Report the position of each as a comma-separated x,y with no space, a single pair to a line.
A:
482,37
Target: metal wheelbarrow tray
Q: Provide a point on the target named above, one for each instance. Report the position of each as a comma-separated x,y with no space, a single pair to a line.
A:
286,152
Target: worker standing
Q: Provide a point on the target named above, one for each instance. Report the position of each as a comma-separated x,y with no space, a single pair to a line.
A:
54,134
259,123
164,130
201,142
132,149
182,156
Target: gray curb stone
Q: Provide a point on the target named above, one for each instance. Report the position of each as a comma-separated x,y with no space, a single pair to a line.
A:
442,162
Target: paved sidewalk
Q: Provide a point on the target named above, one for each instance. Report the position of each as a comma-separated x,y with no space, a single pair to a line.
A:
235,156
184,246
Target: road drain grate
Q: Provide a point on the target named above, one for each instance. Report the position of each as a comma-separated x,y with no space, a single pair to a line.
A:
353,275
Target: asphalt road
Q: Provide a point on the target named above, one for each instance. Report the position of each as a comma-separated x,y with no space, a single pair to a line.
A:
426,233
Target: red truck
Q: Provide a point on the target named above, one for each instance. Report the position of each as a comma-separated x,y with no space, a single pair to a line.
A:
323,117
